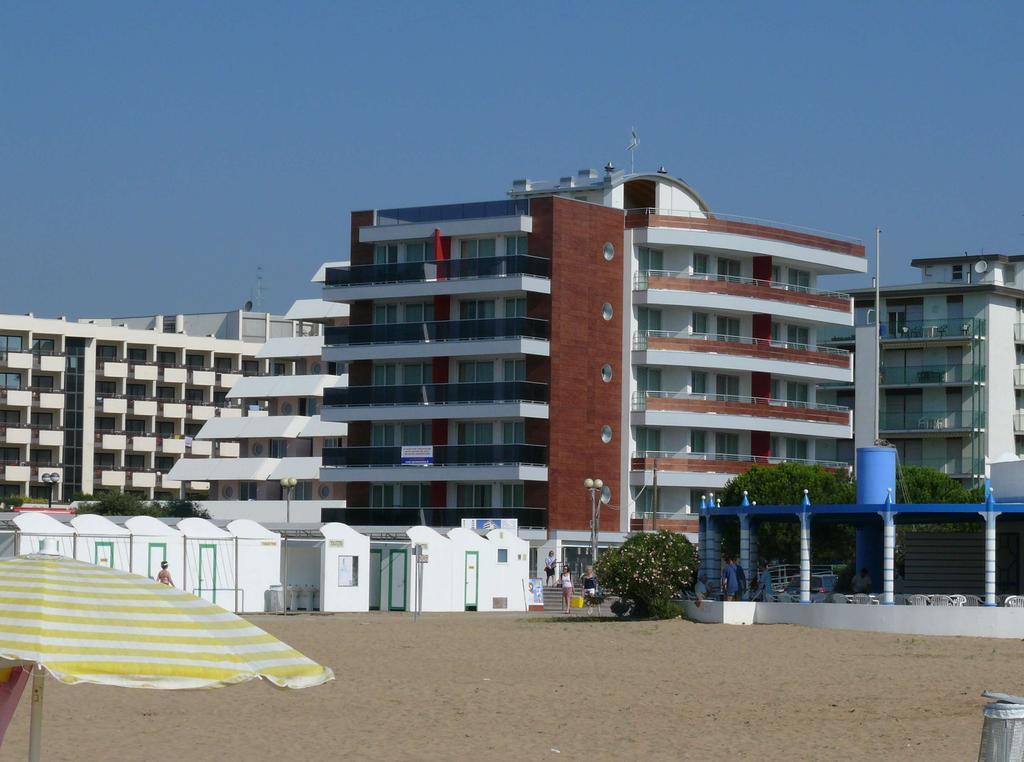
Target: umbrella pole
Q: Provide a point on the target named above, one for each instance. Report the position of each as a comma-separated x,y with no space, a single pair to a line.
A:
35,735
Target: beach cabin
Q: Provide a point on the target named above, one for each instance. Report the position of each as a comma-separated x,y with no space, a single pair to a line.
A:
258,564
473,563
102,542
511,570
345,562
210,563
439,593
33,528
390,563
153,541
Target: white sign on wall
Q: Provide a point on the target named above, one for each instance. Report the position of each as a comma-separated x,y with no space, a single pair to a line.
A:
417,455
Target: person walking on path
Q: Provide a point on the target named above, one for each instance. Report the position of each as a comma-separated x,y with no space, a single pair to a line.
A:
566,582
730,581
550,563
164,575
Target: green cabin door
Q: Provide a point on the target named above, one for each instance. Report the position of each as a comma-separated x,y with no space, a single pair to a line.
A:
104,554
375,572
472,579
398,571
156,554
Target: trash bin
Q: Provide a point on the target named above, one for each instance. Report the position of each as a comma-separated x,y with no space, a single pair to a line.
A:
276,595
293,597
1002,735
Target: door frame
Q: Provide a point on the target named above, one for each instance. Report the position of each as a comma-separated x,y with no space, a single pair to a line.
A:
465,582
199,570
392,552
109,544
378,571
149,557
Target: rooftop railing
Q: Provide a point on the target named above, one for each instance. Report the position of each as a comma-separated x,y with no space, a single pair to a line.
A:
436,394
437,330
443,455
447,212
447,269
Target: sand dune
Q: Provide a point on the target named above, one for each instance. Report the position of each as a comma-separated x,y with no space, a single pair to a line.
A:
482,686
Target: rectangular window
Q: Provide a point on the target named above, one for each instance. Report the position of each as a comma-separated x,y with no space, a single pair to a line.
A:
727,386
476,372
103,388
473,495
279,369
416,433
382,496
43,346
478,247
648,319
513,370
195,395
502,555
798,334
415,495
165,428
513,432
796,391
416,251
649,259
957,273
384,314
727,444
648,379
728,268
247,490
164,462
954,307
191,429
104,459
417,373
796,448
700,323
167,358
728,328
385,254
135,461
799,280
106,352
104,424
698,441
135,390
515,307
475,433
38,419
250,367
481,309
135,425
419,312
648,440
698,382
223,363
136,354
696,495
165,392
512,495
382,435
515,245
194,361
41,457
278,448
700,264
385,374
42,382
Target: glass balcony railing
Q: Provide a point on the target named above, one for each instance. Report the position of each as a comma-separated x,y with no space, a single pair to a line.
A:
646,460
442,455
532,518
412,215
925,420
835,334
436,394
950,328
447,269
949,466
438,330
931,374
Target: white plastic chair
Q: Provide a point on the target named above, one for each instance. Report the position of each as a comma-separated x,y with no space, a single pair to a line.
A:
940,600
861,598
1014,602
917,600
785,598
972,600
958,600
838,598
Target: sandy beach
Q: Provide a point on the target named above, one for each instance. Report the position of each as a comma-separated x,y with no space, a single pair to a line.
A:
479,686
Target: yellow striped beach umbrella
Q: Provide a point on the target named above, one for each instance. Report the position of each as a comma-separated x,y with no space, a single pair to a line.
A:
91,624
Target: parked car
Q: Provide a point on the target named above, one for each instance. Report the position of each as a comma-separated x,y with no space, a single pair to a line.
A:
822,586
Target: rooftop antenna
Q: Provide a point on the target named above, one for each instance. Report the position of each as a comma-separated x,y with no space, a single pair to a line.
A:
633,143
257,298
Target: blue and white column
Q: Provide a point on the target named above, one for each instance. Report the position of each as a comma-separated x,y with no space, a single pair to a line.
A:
990,515
745,539
805,551
888,553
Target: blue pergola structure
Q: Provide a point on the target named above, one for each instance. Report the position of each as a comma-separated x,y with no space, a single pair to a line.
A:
875,520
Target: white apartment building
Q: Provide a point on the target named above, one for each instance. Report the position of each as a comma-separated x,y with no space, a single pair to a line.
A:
952,365
111,403
279,435
606,326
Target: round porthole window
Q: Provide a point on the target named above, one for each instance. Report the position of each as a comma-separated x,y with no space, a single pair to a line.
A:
606,495
607,311
229,492
316,369
286,408
325,491
257,449
609,251
606,373
606,434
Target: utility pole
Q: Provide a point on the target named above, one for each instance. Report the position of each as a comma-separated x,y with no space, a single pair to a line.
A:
654,500
878,329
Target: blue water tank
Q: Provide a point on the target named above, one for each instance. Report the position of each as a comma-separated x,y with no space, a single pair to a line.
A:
876,474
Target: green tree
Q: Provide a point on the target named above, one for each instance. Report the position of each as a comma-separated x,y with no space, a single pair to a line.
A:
647,570
918,484
127,504
784,484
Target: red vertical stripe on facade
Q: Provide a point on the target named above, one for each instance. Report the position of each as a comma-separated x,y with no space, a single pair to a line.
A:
763,268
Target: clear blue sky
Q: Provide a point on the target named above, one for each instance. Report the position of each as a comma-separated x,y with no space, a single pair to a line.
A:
153,155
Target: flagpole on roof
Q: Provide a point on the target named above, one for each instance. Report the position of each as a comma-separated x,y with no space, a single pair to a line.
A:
633,143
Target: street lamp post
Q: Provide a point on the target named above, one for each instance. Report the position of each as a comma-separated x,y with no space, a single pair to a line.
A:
51,480
287,487
594,487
